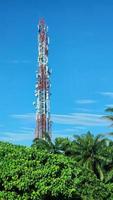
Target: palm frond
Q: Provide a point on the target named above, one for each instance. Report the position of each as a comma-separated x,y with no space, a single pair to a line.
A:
109,109
100,172
109,117
110,134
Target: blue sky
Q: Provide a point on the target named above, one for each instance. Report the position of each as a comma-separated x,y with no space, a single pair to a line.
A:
80,56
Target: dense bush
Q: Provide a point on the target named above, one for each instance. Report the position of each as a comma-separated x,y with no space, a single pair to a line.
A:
28,173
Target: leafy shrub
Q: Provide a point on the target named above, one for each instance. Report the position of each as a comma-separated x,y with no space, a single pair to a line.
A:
30,174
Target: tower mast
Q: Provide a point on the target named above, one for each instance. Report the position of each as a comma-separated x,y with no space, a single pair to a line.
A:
42,87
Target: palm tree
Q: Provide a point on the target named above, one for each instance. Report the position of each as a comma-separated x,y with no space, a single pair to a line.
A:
89,151
43,144
110,116
48,144
63,145
109,151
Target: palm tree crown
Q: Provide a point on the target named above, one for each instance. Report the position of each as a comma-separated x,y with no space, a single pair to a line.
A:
89,152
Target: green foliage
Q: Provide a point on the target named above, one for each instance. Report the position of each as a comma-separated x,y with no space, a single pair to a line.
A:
92,152
89,151
109,116
109,109
81,169
63,145
63,170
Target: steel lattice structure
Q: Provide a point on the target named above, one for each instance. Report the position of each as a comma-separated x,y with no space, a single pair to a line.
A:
42,87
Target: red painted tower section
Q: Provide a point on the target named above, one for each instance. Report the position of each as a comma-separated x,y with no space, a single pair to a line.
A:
42,87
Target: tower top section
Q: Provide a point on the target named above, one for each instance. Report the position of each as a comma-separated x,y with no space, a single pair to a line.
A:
42,26
41,21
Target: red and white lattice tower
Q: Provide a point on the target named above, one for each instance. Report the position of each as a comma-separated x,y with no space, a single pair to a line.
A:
42,87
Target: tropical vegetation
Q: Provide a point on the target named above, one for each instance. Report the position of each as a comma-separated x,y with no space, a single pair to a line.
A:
81,168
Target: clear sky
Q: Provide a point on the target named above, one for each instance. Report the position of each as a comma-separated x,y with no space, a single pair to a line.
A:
81,58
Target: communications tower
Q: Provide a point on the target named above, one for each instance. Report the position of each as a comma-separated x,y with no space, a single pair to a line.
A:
42,87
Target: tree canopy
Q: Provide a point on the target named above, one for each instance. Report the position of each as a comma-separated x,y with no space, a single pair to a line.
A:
35,173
